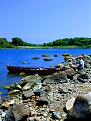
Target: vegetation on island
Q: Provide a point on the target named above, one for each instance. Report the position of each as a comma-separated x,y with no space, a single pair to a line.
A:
70,43
77,42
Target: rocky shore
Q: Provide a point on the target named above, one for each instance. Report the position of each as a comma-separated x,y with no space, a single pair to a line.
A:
62,96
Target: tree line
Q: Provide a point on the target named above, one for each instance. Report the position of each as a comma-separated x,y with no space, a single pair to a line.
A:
4,43
77,42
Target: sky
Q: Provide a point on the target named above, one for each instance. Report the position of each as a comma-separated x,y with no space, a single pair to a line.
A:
42,21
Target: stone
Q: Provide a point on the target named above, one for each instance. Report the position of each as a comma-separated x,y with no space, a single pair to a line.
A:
6,105
0,118
69,103
3,114
29,86
14,91
9,116
88,97
20,111
32,78
80,108
84,76
38,92
56,115
27,94
32,119
42,101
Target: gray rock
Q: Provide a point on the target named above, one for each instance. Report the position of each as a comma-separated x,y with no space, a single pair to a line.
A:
84,76
80,108
20,112
88,97
29,85
32,78
38,92
42,101
32,119
9,116
56,115
27,94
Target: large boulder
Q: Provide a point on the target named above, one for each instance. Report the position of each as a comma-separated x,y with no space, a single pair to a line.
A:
20,112
79,107
30,78
83,77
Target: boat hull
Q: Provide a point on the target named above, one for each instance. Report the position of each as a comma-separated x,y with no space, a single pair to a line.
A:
28,70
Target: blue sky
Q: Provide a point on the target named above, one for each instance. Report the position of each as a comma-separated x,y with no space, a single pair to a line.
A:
41,21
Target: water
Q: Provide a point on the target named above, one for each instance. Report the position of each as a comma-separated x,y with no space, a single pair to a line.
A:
19,57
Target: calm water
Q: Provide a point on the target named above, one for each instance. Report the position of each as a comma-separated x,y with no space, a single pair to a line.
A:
18,57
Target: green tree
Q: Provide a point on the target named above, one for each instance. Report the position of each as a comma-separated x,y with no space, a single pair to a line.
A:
4,43
17,41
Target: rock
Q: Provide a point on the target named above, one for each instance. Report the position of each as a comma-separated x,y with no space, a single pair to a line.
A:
3,114
20,112
12,102
32,119
88,97
25,62
29,86
62,91
0,118
1,111
69,103
37,86
60,75
47,79
55,55
56,115
38,92
22,74
67,55
32,78
70,73
83,76
45,55
36,58
14,92
15,87
9,116
27,94
6,105
42,101
80,108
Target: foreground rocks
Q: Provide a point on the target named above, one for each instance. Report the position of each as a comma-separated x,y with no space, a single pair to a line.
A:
63,96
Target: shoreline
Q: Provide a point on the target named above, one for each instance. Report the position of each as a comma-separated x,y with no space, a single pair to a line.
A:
44,98
53,47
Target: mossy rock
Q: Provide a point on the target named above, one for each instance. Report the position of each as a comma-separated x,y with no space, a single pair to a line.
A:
55,55
48,59
67,55
36,58
45,55
60,65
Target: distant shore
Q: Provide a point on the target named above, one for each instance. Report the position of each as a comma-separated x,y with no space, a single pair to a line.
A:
47,47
